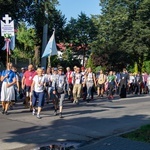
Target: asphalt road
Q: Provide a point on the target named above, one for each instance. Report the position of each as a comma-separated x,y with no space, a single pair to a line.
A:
84,123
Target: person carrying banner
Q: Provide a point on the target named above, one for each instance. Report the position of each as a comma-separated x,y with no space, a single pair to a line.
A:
8,79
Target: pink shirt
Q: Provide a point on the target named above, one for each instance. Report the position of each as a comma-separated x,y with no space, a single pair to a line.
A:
145,76
29,77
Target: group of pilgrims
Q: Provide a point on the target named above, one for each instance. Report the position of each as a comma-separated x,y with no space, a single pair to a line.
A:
39,86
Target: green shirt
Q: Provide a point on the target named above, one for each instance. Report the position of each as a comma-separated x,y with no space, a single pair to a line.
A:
111,78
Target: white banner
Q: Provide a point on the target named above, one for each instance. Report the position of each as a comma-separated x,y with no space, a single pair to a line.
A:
7,27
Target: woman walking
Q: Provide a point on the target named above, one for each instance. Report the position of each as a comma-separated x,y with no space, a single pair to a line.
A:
111,80
37,90
90,82
8,78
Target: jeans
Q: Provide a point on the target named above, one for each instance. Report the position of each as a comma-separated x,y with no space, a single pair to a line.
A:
38,96
89,86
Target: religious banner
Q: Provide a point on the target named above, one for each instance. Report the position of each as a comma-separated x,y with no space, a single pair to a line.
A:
7,31
7,27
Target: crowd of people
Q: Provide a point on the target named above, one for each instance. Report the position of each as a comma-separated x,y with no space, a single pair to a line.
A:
39,86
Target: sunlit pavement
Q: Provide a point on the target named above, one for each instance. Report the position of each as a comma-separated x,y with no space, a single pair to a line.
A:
86,123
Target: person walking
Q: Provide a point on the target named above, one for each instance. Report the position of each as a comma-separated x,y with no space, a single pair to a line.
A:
148,83
69,75
8,78
123,83
83,88
26,84
100,84
77,86
59,90
37,91
138,82
48,85
111,80
90,82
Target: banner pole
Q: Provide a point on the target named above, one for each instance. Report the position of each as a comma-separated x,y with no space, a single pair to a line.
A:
7,50
49,60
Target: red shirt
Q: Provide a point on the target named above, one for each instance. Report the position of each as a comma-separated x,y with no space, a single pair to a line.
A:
28,75
69,76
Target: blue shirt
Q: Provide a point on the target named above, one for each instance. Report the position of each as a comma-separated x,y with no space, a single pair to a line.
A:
11,75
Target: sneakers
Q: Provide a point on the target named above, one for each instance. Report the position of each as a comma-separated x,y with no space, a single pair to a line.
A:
74,102
55,112
11,107
77,102
2,111
38,116
87,100
6,113
33,112
60,115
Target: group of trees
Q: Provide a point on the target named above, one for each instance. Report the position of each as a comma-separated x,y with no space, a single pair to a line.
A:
123,34
117,37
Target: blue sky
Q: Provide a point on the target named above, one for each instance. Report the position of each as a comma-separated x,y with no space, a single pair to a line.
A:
72,8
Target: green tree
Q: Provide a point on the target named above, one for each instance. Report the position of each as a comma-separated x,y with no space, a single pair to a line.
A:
36,13
80,33
26,43
18,11
123,33
45,12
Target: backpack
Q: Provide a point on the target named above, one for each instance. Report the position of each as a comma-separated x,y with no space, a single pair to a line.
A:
60,90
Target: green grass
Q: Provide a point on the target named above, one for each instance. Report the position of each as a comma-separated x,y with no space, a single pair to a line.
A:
142,134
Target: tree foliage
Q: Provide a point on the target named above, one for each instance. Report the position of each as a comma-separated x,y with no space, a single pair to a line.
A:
35,14
80,32
124,33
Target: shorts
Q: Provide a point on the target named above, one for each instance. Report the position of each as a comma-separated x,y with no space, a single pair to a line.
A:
100,86
28,88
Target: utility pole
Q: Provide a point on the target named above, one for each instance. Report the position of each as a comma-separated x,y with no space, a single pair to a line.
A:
44,43
44,40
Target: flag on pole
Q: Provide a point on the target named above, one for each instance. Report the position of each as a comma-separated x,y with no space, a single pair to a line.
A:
11,44
51,48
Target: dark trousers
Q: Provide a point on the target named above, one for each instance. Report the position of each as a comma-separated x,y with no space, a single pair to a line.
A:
122,91
110,88
38,96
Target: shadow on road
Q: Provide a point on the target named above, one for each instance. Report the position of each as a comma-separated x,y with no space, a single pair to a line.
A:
76,129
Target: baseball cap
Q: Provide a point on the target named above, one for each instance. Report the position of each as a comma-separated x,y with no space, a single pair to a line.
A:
55,69
60,68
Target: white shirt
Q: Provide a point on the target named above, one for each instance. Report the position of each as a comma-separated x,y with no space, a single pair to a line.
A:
54,77
131,79
39,83
48,77
90,77
148,81
78,78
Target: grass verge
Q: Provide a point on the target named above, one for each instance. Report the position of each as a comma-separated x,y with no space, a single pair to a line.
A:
142,134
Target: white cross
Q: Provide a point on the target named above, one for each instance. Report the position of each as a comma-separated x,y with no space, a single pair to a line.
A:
6,18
